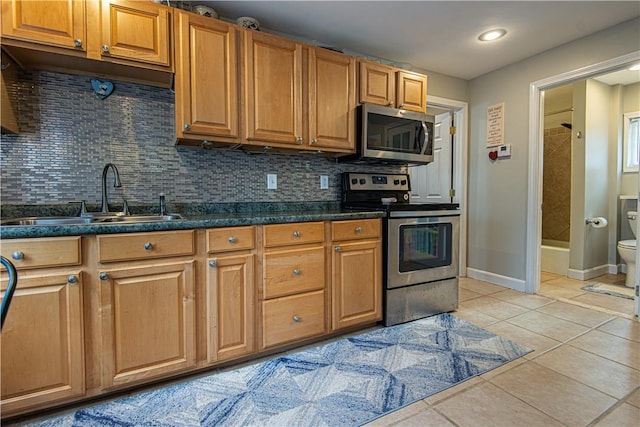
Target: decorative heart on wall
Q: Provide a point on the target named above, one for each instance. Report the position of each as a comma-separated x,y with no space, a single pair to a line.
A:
102,89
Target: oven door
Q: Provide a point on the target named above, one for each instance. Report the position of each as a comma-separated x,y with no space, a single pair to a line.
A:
422,249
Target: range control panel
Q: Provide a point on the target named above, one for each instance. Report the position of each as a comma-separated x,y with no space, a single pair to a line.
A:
377,182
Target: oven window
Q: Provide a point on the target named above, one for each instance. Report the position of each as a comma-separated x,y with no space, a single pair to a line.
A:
425,246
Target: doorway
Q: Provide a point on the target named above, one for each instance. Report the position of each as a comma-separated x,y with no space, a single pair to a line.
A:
536,113
457,157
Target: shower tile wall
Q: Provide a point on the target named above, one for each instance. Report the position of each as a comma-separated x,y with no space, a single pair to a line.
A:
556,198
68,135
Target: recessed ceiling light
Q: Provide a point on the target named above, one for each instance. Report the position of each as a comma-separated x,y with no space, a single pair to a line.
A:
635,68
491,35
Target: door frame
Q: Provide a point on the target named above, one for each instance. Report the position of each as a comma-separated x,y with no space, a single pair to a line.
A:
536,148
459,115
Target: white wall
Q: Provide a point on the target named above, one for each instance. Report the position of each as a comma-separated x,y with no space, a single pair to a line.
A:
498,190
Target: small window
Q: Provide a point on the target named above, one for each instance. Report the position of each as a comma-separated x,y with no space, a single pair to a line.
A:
631,137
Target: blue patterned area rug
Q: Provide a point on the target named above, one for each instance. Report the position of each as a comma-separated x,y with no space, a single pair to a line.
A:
347,382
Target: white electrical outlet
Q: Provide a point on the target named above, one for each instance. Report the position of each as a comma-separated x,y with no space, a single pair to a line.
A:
324,182
272,181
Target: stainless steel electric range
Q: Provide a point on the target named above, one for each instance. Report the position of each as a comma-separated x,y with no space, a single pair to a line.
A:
421,241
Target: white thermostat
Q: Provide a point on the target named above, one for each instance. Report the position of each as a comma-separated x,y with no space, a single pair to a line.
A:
504,150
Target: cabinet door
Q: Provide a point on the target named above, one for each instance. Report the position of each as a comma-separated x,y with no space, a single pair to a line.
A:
357,283
59,23
332,99
273,89
377,84
206,79
230,308
148,322
42,342
412,91
137,31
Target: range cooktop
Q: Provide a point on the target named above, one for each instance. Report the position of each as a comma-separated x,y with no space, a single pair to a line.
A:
388,192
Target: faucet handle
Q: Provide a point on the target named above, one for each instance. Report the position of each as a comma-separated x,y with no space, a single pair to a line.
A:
83,207
163,205
125,207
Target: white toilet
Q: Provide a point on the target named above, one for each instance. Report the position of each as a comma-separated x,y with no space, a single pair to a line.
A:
627,250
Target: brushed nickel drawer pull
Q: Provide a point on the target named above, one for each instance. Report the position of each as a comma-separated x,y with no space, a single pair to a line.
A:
213,263
148,246
358,229
296,271
338,249
296,318
232,239
296,234
77,43
72,279
104,276
17,255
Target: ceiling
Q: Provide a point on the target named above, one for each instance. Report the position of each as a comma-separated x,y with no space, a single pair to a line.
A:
438,36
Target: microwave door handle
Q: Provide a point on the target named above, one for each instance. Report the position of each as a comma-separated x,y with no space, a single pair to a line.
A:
426,138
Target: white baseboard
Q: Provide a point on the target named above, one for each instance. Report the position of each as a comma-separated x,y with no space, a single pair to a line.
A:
496,279
617,268
589,273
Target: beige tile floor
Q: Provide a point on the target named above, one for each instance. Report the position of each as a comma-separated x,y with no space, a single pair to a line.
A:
584,371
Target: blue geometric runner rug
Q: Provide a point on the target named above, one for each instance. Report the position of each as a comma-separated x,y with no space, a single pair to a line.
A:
348,382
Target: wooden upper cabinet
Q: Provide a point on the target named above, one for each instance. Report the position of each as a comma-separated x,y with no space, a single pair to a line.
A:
385,85
273,89
206,79
377,84
332,99
59,23
137,31
411,91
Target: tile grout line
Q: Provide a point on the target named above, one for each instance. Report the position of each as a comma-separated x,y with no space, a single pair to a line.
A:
613,407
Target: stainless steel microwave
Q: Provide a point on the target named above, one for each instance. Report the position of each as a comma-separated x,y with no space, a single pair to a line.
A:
393,136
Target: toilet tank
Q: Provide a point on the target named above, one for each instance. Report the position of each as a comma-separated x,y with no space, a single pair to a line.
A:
632,216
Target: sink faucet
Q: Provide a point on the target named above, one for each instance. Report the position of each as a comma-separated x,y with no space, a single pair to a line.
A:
104,208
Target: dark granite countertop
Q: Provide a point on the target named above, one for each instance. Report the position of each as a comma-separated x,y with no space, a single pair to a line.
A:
196,216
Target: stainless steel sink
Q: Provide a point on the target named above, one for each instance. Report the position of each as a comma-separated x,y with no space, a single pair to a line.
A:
137,218
100,219
47,220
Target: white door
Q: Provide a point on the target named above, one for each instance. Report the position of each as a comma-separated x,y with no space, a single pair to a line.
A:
431,183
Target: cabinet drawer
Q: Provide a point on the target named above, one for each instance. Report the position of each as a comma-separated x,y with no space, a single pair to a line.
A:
124,247
293,271
292,318
46,252
293,234
230,239
355,229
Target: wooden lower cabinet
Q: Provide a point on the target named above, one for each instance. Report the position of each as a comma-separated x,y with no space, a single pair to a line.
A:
42,342
292,295
292,318
230,307
148,321
356,274
142,317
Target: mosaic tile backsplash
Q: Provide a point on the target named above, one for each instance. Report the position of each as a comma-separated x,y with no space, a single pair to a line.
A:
68,135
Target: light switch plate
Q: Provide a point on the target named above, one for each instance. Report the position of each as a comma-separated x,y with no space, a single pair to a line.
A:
272,181
324,182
